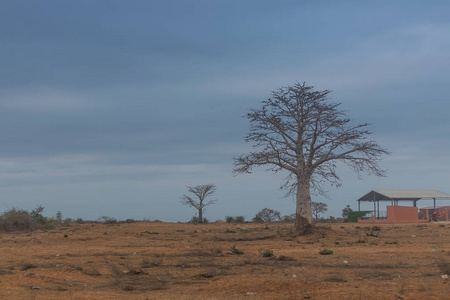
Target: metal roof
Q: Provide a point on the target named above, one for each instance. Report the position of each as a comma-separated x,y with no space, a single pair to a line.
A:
388,195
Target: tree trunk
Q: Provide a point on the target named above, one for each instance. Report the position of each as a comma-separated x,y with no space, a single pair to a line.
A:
200,215
303,212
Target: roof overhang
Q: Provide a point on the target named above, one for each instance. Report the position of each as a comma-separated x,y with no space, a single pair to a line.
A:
403,195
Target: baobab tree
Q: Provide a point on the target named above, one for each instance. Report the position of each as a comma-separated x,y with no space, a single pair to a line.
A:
201,192
299,130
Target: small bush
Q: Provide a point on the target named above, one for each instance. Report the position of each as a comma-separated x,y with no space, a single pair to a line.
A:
233,250
267,253
196,219
354,215
326,252
289,218
238,219
107,220
230,231
391,243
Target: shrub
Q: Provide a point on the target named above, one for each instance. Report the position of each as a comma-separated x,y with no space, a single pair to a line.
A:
233,250
229,219
360,241
267,253
107,220
326,252
289,218
391,243
59,218
238,219
22,220
196,219
37,215
267,215
354,215
17,220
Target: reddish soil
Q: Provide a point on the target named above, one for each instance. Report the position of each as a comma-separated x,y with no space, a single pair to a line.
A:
155,260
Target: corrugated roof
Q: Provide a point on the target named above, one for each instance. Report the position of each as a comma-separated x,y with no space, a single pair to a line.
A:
380,195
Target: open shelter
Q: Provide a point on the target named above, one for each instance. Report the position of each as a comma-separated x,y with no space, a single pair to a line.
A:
397,197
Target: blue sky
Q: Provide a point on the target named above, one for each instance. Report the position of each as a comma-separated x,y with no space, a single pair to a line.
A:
114,107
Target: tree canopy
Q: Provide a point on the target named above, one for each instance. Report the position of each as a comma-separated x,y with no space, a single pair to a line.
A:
300,131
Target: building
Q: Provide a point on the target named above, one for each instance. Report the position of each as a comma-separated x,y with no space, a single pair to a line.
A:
396,213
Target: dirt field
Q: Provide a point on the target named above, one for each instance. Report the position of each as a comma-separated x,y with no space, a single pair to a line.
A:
155,260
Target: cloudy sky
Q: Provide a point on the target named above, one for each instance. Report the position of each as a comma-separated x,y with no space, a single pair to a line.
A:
114,107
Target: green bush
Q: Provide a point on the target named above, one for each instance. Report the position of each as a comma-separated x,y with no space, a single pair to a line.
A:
267,253
354,215
229,219
233,250
238,219
326,252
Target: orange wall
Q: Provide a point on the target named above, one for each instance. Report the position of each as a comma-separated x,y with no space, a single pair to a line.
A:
397,214
402,214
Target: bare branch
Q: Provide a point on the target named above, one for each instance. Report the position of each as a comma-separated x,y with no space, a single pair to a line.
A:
300,131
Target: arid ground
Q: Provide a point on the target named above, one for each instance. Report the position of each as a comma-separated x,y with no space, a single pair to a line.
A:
156,260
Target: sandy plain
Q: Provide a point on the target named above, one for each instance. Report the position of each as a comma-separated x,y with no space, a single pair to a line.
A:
156,260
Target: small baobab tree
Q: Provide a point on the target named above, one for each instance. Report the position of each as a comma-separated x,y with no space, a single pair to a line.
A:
300,131
198,200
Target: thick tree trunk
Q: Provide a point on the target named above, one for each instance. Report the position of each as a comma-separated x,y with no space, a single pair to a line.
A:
200,215
303,212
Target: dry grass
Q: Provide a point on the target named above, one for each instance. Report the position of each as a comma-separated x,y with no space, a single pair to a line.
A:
186,261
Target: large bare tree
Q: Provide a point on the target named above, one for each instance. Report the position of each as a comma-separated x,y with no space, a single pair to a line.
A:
201,192
299,130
